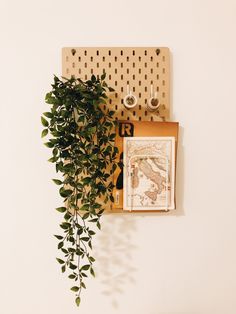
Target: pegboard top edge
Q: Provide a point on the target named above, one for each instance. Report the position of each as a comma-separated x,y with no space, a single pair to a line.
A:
115,47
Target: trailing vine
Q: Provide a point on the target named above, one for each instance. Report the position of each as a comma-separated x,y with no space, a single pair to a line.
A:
82,137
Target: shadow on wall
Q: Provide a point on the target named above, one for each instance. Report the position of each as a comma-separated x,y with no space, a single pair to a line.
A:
114,258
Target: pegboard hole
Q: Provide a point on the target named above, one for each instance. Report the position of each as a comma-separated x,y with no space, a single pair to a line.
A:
163,95
79,71
139,58
86,76
109,52
151,118
151,71
85,52
163,83
145,88
128,118
133,77
115,59
97,52
134,89
157,64
127,71
103,59
73,65
145,101
121,77
115,71
127,59
73,51
121,64
145,77
145,113
157,76
91,71
140,118
116,107
109,64
116,95
121,52
151,59
115,83
139,107
122,113
145,64
85,65
79,59
163,70
91,59
122,89
110,101
133,64
134,113
139,83
145,52
97,65
139,71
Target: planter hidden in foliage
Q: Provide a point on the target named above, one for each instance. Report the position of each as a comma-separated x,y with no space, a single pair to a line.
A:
82,134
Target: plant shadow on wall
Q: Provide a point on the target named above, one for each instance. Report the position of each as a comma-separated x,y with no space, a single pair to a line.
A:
114,255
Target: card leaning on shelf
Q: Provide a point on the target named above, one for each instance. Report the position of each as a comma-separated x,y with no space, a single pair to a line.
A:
149,173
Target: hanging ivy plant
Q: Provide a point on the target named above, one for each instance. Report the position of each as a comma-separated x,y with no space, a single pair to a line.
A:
82,137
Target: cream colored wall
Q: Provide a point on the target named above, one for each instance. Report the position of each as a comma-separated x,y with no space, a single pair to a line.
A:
153,264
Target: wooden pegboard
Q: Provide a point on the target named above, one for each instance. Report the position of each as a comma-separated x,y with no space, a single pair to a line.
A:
138,67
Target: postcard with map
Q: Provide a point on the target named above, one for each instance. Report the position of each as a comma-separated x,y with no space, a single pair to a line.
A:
149,173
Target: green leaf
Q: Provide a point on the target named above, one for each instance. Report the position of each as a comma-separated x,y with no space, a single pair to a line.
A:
60,245
77,301
92,272
84,207
44,133
72,266
49,145
72,276
83,285
75,289
57,182
86,239
63,268
103,76
61,209
65,193
60,261
44,122
91,259
85,267
58,237
48,114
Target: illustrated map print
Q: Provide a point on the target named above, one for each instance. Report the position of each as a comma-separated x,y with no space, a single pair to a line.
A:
149,170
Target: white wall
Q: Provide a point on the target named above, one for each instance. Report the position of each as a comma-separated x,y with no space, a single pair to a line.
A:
153,264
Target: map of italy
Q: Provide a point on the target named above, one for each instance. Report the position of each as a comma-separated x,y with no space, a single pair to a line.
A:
148,173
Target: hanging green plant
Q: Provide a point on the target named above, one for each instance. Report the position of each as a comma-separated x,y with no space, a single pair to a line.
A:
82,133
